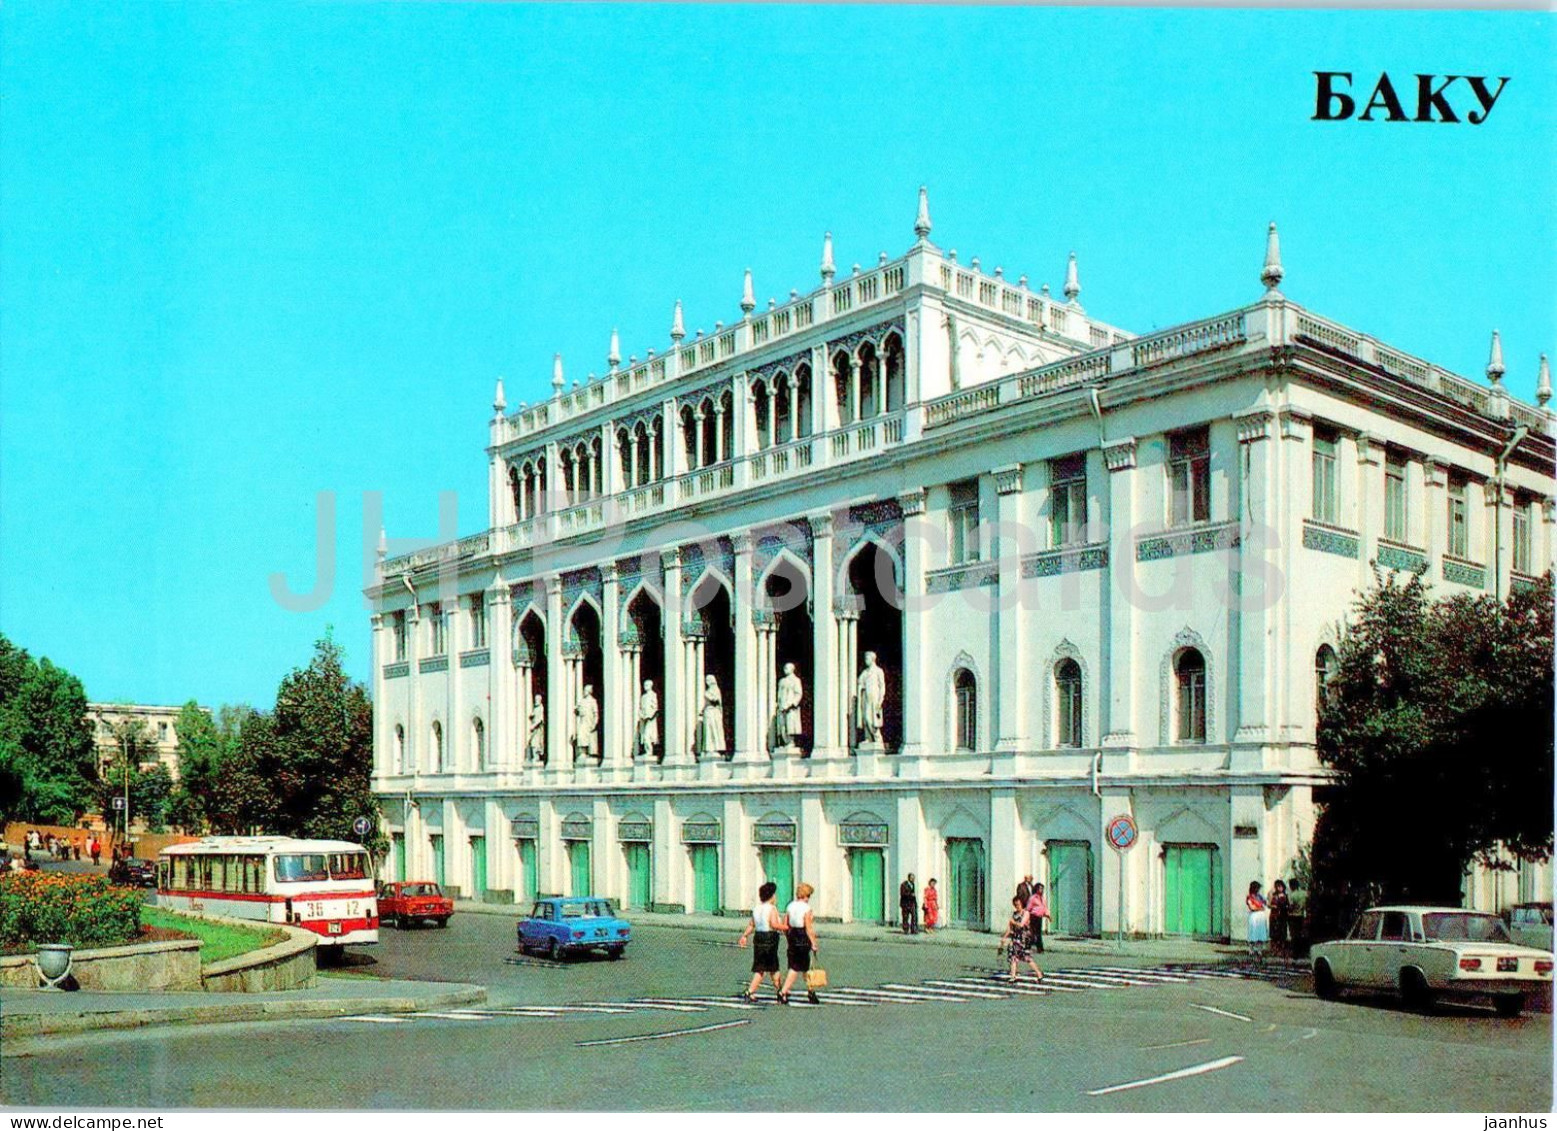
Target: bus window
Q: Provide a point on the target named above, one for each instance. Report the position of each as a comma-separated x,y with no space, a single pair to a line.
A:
218,873
203,864
254,873
301,868
348,866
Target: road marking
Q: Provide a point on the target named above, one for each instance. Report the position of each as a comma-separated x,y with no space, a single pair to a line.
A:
703,1002
664,1036
1151,975
959,994
447,1016
1192,1070
1004,991
1108,978
590,1008
1221,1012
528,1011
884,995
379,1020
644,1004
1047,982
1082,983
1177,1044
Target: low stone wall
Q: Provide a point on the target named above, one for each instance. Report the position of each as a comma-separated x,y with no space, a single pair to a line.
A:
291,964
154,966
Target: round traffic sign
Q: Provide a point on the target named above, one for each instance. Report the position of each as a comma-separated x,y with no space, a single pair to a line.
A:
362,826
1122,832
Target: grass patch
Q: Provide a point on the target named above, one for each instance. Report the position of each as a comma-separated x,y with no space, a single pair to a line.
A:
217,940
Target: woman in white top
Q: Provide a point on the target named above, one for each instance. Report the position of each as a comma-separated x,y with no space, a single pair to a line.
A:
764,925
802,941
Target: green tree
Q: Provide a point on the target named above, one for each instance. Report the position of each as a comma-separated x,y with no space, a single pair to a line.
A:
240,799
1438,727
202,748
48,768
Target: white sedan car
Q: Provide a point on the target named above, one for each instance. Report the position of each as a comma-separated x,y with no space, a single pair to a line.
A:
1431,952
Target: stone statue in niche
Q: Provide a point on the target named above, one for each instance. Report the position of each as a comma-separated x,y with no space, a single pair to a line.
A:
870,697
648,721
586,721
791,692
536,750
710,727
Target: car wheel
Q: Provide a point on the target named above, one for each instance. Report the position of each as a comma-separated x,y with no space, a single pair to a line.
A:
554,950
1324,982
1509,1005
442,922
1414,991
614,953
400,922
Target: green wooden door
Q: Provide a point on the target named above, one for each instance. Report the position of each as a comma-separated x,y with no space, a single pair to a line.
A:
437,855
1192,893
580,879
1070,888
705,878
640,889
397,843
478,867
778,865
867,883
966,904
529,867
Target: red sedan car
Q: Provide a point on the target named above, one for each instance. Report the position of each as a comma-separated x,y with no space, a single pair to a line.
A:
413,901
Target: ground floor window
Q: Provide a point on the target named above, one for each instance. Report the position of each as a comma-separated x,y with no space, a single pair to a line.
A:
581,879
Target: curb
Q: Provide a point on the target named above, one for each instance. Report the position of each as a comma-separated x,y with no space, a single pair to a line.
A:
15,1028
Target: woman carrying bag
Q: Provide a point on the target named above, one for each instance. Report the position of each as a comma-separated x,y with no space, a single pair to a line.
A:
802,944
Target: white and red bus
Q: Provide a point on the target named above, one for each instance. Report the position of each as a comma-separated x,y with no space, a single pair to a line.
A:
324,886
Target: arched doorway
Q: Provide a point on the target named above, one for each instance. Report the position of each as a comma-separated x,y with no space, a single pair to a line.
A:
966,901
875,591
785,636
711,644
530,665
643,649
586,667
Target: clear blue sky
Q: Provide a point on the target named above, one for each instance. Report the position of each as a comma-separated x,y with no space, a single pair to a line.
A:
253,252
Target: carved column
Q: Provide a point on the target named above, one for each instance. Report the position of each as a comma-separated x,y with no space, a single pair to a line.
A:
854,389
558,704
672,702
1119,701
720,452
822,680
500,675
745,684
1253,607
612,706
914,698
383,733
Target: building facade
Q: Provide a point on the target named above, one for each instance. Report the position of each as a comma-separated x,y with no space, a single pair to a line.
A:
161,729
927,571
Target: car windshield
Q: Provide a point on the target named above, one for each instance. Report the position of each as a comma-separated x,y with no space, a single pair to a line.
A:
1449,926
420,889
585,909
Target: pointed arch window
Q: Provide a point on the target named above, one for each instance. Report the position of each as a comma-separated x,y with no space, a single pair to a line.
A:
437,748
1326,667
965,695
478,742
1190,678
1067,691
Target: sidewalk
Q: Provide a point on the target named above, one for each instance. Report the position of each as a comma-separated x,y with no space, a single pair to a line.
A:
27,1014
1149,950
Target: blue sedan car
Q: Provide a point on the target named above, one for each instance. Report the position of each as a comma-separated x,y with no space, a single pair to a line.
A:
558,927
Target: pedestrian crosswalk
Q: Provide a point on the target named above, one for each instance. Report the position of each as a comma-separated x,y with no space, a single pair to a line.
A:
980,985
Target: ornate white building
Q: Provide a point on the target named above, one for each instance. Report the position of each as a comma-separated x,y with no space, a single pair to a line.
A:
1102,574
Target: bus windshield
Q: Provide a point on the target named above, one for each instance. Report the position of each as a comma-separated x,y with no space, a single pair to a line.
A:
307,867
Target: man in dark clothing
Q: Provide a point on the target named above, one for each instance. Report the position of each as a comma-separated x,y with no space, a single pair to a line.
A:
908,906
1024,890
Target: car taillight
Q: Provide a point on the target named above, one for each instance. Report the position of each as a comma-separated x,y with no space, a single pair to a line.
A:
1470,964
1542,966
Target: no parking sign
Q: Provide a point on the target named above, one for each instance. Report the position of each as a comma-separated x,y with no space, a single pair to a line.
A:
1122,832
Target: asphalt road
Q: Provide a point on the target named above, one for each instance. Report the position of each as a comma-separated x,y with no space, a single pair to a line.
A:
1243,1043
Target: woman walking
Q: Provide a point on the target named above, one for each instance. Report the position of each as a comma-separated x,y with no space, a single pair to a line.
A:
1259,920
932,907
802,942
1037,912
1014,941
763,926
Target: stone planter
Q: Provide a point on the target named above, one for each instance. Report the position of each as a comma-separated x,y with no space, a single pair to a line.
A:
54,964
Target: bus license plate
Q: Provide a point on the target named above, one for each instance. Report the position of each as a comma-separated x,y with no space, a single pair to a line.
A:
334,928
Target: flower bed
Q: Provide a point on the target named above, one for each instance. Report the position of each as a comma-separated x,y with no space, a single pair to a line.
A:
65,907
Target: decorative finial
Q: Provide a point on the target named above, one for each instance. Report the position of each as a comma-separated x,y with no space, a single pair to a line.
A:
748,302
1072,279
922,221
556,375
881,259
614,358
383,543
828,270
1543,383
678,329
1044,290
1272,274
1495,368
499,402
